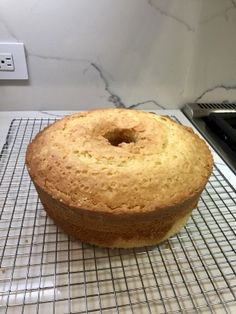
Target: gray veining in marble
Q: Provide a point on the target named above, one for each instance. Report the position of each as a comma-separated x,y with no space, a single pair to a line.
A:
234,3
52,114
171,16
146,102
56,58
8,28
224,13
211,89
114,98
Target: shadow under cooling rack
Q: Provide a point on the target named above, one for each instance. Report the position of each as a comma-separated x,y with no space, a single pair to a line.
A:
43,270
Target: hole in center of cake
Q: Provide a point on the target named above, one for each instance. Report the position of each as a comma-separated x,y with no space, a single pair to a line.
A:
119,136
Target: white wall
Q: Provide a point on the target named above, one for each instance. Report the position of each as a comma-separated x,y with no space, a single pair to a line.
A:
85,53
213,69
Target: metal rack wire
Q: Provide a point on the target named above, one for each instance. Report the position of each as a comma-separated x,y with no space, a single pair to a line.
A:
43,270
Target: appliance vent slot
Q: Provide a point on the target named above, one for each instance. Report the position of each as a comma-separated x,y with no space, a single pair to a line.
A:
203,106
232,106
217,106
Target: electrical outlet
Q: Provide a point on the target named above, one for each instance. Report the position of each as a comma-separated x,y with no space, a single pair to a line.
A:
6,62
13,64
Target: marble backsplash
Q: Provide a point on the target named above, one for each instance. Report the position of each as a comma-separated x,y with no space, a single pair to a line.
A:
124,53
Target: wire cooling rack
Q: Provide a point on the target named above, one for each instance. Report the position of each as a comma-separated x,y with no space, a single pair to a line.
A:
44,271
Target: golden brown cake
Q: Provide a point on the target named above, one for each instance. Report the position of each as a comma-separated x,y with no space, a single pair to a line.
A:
118,177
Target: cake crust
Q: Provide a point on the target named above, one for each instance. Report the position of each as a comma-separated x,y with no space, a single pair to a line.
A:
118,177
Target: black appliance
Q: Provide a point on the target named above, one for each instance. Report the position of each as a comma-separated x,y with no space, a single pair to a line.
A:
217,123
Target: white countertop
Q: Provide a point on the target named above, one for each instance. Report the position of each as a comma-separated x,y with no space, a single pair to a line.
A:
7,116
201,240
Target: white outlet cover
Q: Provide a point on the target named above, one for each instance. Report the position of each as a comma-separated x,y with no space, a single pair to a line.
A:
17,50
6,62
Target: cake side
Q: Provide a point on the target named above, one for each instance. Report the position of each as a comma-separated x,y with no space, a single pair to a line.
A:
122,231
